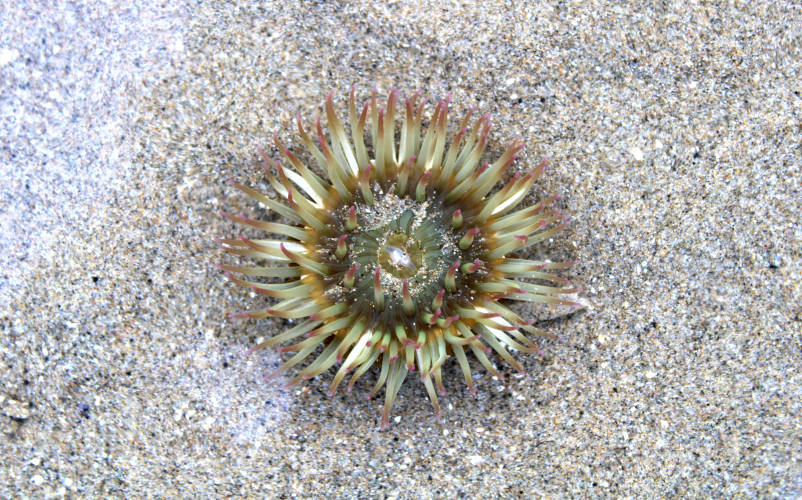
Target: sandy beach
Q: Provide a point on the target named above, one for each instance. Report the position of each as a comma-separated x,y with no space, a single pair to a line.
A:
674,133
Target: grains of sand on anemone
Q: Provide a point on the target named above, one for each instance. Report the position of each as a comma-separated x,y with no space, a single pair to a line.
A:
398,253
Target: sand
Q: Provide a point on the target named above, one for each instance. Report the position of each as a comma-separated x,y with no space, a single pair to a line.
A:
675,137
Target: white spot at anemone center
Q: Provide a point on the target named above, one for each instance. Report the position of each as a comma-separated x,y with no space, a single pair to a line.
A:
399,257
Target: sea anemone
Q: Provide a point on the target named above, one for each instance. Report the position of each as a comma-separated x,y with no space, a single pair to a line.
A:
398,251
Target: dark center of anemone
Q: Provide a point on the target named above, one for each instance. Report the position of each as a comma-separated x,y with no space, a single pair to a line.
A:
404,240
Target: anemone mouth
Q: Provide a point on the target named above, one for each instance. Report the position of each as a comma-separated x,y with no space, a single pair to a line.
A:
399,254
